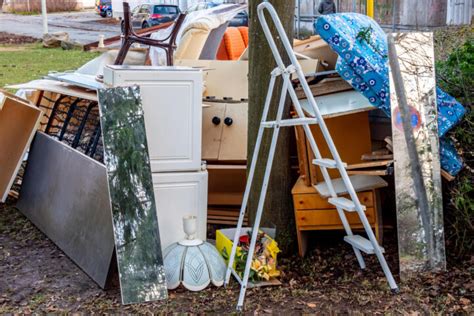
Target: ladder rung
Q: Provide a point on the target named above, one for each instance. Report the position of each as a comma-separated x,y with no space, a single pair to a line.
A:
344,203
361,243
327,163
290,122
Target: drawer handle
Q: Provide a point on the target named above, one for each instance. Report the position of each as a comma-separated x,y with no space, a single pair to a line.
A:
216,120
228,121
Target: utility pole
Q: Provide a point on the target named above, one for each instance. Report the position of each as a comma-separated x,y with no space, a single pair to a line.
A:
45,17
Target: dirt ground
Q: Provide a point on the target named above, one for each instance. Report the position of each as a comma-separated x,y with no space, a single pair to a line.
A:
14,39
38,277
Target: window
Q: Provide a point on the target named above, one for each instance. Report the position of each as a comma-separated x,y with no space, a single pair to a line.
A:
144,9
165,10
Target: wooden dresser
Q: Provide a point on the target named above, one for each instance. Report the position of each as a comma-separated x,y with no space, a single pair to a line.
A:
312,212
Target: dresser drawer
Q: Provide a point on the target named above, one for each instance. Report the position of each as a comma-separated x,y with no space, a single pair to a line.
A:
316,202
328,219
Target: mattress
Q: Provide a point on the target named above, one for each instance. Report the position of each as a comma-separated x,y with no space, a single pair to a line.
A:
363,62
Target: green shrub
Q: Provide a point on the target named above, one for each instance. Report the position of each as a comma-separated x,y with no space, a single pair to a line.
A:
455,75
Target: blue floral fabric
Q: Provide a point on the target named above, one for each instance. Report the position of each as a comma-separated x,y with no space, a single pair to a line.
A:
363,62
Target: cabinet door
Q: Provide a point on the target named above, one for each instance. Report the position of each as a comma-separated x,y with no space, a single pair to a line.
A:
178,195
212,123
234,133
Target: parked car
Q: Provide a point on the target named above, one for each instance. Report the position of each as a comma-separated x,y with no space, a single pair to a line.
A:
148,15
241,19
104,7
202,6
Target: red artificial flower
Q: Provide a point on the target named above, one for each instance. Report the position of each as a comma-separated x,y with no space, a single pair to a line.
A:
245,239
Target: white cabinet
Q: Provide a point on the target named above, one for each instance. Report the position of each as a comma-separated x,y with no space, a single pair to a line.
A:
178,195
172,102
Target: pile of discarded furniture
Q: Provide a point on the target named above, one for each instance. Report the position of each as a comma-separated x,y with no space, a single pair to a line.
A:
126,149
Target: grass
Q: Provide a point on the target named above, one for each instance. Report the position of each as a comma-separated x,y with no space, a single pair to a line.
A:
23,63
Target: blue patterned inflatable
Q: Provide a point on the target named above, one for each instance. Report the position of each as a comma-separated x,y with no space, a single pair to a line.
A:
363,62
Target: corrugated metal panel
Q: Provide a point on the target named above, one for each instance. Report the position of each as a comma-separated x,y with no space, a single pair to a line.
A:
459,12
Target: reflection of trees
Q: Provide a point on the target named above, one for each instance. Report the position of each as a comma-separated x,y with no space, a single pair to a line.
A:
131,191
425,241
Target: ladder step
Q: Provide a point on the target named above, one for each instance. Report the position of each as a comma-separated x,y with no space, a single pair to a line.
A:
290,122
359,183
327,163
361,243
344,203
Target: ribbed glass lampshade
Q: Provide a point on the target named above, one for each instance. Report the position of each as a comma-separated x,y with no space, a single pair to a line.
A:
195,264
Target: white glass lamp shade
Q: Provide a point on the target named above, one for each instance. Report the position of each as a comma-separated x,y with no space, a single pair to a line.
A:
194,264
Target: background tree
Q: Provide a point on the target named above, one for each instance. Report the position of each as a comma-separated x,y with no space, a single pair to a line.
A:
278,207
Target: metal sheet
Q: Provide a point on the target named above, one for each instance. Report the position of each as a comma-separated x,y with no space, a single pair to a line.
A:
420,233
64,193
137,239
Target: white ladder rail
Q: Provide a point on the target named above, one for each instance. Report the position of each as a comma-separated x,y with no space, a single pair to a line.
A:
303,121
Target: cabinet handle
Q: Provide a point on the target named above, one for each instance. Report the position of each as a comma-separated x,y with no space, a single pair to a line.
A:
216,120
228,121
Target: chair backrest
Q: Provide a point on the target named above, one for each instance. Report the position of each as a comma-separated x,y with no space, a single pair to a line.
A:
234,43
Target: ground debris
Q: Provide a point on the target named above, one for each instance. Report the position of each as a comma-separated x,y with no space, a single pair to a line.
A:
38,278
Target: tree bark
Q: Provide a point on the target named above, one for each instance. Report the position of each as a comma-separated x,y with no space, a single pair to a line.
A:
278,210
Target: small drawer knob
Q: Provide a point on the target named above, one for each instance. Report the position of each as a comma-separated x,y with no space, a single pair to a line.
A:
216,120
228,121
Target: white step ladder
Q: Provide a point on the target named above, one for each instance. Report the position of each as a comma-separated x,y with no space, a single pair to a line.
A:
358,243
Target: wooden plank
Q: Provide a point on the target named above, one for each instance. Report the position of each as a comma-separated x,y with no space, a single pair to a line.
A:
348,129
18,123
447,176
303,161
371,164
325,87
368,172
366,157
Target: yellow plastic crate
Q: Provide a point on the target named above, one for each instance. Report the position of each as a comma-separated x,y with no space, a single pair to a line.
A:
225,237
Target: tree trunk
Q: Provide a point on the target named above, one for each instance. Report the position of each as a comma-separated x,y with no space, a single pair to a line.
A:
278,210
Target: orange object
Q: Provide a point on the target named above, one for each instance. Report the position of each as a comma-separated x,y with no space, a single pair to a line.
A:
244,31
233,44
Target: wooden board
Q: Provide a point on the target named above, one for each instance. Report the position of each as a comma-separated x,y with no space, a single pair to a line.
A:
382,163
368,172
226,184
18,124
351,136
326,86
315,47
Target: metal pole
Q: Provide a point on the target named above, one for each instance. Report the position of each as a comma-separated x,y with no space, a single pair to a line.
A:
45,17
370,8
299,20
